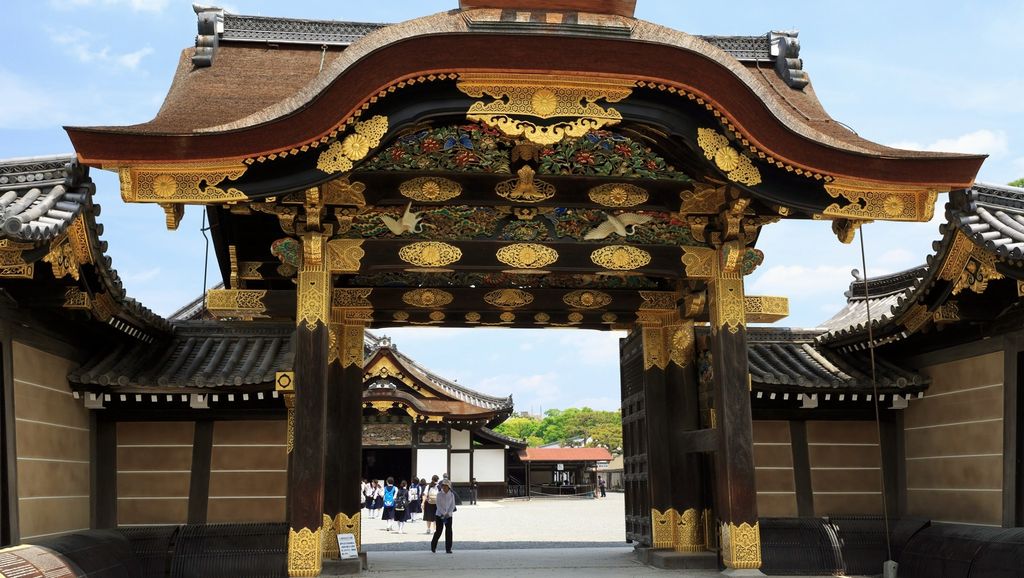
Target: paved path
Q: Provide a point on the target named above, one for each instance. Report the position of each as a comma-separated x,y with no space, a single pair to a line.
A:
516,524
547,563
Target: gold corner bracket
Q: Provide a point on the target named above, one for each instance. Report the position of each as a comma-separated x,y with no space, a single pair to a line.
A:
866,201
192,183
765,309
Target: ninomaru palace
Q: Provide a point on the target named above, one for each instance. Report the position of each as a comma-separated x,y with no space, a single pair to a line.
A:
520,164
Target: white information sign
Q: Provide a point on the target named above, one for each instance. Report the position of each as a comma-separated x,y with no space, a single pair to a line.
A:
347,546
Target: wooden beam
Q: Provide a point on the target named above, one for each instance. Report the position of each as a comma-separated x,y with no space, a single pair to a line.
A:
696,441
199,480
801,468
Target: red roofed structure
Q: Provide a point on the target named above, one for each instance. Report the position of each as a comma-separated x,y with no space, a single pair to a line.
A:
565,455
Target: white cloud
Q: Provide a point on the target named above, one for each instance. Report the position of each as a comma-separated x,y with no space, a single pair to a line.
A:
530,390
983,141
601,403
84,46
134,5
799,281
592,347
898,258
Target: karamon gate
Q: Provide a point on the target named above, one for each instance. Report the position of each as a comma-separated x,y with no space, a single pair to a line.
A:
515,166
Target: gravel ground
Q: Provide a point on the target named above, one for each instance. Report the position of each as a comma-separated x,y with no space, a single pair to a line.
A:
513,524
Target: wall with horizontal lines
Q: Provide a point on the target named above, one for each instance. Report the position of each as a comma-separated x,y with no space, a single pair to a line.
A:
954,443
773,468
248,471
52,439
154,463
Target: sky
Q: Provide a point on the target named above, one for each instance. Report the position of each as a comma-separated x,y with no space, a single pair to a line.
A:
931,75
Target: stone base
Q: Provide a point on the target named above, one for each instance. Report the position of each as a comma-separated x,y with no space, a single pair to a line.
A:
672,560
735,572
344,567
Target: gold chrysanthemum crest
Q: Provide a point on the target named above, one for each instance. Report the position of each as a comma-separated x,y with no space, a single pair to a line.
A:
620,257
427,298
586,299
527,255
508,298
618,195
430,254
342,153
738,168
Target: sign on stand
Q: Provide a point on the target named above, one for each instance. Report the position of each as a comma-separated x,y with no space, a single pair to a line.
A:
347,546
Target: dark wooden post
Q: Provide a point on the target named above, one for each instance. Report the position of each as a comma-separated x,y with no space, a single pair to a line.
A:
734,461
306,477
342,506
656,423
684,409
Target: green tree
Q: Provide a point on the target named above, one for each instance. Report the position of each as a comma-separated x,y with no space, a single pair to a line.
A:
574,426
520,428
1018,183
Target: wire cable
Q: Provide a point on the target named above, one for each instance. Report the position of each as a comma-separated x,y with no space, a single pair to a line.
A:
874,389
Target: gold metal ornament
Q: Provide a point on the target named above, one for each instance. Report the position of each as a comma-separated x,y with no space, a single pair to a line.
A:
654,347
737,167
342,192
507,317
430,189
430,254
699,262
427,298
917,317
339,157
765,309
345,255
741,545
305,552
658,300
726,303
620,257
289,402
400,316
586,299
521,103
663,526
508,298
181,183
62,260
357,298
350,525
575,317
351,346
976,274
75,298
542,318
525,188
609,317
680,344
330,539
472,317
527,255
880,201
313,299
437,316
618,195
236,303
689,535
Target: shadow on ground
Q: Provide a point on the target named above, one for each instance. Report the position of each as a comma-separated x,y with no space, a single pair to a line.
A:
480,545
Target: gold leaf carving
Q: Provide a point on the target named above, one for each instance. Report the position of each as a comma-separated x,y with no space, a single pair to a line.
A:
430,254
507,317
741,545
704,199
313,299
62,260
726,303
654,347
330,539
609,318
765,309
689,534
342,192
437,316
658,300
699,262
430,189
339,157
542,318
880,201
184,183
620,257
355,298
618,195
305,552
525,189
427,298
75,298
527,255
976,275
575,317
350,525
345,255
472,317
681,343
737,167
236,303
586,299
520,103
508,298
352,346
663,526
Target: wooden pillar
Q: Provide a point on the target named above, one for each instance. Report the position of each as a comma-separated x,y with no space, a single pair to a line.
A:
342,505
684,409
199,479
740,535
655,424
306,477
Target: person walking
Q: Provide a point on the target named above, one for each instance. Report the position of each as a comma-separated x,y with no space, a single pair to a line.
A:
378,499
472,491
401,505
600,484
445,509
388,501
430,504
414,501
367,498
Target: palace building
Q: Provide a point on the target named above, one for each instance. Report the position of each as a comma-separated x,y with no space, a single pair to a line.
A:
506,164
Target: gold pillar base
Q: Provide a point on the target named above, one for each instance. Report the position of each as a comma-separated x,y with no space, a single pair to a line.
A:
689,536
350,525
741,545
663,528
305,552
329,537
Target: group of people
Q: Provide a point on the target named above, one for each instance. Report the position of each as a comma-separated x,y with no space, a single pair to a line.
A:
401,503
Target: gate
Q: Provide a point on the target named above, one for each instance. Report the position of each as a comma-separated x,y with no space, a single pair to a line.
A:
634,440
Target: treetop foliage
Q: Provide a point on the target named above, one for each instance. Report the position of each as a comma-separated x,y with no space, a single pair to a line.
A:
572,427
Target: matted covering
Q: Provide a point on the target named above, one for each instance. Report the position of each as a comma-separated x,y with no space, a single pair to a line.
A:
565,455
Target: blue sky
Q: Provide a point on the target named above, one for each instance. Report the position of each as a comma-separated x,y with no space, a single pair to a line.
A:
937,75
